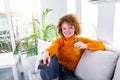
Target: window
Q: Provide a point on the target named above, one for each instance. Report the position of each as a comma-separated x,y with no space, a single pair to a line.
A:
6,35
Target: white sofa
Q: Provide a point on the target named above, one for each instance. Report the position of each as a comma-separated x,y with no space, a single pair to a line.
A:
93,65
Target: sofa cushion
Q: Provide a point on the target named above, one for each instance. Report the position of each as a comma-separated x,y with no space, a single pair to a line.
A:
96,65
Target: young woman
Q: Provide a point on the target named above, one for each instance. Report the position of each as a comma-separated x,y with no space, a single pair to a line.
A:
60,56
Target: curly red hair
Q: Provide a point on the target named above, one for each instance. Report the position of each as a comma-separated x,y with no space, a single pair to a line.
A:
72,20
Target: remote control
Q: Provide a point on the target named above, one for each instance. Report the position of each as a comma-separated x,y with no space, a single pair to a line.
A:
42,65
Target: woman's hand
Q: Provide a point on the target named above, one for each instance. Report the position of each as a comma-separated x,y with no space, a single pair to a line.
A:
80,45
45,58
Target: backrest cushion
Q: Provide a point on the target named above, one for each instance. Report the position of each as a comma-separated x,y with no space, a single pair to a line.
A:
42,45
96,65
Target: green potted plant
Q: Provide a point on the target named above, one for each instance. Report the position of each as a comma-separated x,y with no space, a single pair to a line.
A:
48,31
41,30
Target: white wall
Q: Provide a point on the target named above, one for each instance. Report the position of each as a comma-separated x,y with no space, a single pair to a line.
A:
106,15
105,18
116,33
99,20
89,19
108,29
59,6
79,8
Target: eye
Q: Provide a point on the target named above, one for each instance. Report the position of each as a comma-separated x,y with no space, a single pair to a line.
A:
63,28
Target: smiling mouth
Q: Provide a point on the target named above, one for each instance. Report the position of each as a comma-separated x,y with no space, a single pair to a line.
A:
68,33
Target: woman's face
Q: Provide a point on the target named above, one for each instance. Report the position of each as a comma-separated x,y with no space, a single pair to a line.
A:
67,30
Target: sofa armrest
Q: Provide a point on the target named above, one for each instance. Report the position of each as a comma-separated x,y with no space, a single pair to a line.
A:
31,64
32,73
117,71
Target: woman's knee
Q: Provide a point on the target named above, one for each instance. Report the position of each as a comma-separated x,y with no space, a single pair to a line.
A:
51,71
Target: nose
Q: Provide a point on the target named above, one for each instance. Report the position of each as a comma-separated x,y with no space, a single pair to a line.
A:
67,29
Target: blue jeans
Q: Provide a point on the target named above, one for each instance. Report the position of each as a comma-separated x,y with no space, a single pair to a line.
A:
55,70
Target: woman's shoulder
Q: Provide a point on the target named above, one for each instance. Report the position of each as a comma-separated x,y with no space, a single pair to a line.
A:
58,39
81,38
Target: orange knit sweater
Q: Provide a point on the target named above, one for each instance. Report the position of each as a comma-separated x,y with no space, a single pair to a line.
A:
62,47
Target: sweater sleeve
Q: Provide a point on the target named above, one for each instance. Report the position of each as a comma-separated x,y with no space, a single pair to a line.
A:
53,48
93,44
